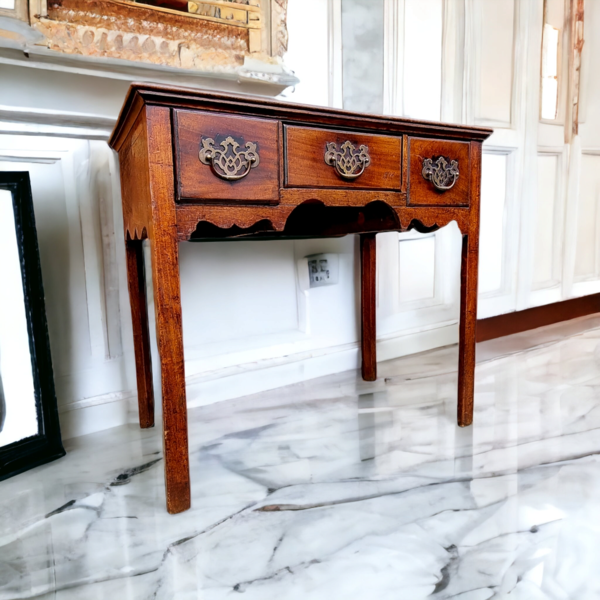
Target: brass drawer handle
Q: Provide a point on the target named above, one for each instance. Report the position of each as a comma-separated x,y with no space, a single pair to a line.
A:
228,162
443,173
349,162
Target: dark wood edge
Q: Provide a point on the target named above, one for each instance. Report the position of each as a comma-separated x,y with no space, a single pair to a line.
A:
47,445
281,154
175,137
404,166
424,219
539,316
126,120
181,97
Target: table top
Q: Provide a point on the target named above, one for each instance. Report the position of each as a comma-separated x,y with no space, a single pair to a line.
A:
189,98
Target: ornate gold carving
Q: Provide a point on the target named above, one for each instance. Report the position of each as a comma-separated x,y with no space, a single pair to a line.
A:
217,36
349,162
442,172
279,32
228,162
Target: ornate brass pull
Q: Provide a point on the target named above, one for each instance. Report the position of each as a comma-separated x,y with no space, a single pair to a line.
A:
228,162
443,173
349,162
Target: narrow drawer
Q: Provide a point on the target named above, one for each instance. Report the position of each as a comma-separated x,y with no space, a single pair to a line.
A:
438,173
341,159
226,159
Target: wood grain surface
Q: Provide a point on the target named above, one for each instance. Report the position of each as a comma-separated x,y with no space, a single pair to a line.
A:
422,192
167,301
468,298
198,182
135,183
136,281
306,167
368,277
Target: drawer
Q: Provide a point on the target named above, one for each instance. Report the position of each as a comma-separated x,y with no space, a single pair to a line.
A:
341,159
226,159
438,173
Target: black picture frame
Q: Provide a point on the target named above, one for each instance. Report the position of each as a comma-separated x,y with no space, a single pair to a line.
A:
47,445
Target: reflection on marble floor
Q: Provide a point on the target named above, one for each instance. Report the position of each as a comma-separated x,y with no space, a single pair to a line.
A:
337,490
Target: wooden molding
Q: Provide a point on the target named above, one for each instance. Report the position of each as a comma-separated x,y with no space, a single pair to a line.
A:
532,318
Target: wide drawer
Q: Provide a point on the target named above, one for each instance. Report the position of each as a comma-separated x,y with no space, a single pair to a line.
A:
341,159
438,172
226,159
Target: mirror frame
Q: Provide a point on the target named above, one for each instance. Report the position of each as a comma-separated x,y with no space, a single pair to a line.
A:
47,444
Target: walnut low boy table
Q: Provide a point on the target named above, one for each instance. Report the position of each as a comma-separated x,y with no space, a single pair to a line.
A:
200,165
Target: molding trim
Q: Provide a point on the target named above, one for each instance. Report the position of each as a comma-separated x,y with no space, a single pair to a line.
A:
334,42
253,76
539,316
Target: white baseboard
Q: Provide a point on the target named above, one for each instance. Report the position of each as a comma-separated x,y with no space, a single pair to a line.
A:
95,414
110,410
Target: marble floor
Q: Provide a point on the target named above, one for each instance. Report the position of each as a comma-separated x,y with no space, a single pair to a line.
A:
338,490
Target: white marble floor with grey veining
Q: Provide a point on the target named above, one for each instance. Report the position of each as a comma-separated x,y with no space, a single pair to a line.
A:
338,490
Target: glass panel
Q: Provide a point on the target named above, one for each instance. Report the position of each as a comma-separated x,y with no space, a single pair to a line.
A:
7,4
362,40
18,416
549,97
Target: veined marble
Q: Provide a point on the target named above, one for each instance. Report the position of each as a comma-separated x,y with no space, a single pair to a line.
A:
337,490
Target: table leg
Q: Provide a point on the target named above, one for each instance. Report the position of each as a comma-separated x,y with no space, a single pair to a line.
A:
169,333
468,324
141,337
368,329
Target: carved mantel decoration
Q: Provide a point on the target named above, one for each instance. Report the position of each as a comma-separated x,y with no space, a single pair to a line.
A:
215,36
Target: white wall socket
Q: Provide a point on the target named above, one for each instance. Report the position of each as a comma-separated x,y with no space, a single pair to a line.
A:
323,269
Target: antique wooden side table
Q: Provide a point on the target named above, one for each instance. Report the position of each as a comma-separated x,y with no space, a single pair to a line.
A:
202,165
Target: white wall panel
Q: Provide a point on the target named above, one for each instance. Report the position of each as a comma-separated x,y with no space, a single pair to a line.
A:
495,95
495,60
76,233
493,222
583,228
423,59
417,269
586,255
589,113
232,290
544,266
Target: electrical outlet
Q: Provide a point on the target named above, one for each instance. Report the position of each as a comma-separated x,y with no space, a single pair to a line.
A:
323,269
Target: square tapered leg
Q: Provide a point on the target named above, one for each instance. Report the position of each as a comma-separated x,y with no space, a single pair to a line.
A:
467,332
368,322
141,336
